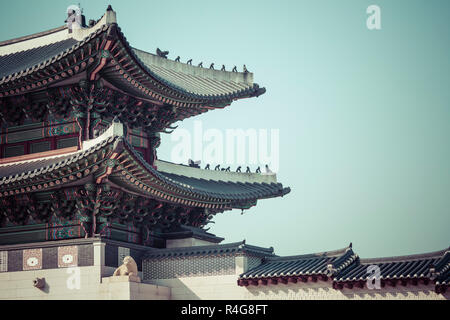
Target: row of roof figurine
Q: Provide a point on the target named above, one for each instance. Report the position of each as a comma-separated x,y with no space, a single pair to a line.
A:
159,52
196,164
163,54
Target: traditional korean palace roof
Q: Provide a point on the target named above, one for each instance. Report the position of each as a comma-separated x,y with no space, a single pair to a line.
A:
347,270
403,269
81,112
126,169
58,57
302,267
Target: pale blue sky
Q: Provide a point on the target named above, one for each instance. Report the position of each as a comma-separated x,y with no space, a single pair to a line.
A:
363,115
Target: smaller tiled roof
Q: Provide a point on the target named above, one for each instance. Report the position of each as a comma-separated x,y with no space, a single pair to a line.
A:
441,272
234,248
392,268
317,264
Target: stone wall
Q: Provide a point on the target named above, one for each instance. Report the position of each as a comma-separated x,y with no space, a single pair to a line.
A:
225,287
72,269
60,284
178,278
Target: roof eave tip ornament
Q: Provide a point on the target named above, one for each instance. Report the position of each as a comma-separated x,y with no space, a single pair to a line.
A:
110,15
260,92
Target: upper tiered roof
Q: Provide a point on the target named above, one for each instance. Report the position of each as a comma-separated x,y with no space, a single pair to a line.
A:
57,57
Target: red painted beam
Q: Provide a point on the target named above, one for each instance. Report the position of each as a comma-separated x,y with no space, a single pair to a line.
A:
263,281
392,282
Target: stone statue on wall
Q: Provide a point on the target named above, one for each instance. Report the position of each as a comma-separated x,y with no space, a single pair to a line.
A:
128,268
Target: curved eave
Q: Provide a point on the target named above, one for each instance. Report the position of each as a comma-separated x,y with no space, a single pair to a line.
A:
145,82
54,68
121,66
157,184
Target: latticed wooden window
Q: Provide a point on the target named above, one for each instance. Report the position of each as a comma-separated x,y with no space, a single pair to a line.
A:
67,142
13,151
40,146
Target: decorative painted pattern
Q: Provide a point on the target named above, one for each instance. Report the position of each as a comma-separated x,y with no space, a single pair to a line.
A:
39,131
67,256
32,259
63,230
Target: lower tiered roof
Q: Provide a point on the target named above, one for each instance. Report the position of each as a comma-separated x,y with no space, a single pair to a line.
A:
112,159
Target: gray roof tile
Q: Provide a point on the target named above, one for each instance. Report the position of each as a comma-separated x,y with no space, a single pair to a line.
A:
303,265
210,250
21,61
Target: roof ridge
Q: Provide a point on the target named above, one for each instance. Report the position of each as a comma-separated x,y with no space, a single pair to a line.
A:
167,167
32,36
238,245
325,254
195,248
194,67
419,256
